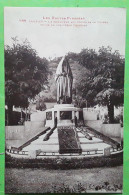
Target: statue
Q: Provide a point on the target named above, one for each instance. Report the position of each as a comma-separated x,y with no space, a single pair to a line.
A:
64,80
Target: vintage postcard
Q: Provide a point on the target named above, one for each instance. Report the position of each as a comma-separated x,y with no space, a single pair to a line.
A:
64,99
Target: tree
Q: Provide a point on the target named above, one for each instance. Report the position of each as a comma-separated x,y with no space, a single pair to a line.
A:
25,74
105,83
40,105
110,97
88,58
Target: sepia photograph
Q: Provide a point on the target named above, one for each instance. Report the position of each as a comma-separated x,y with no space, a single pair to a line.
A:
64,99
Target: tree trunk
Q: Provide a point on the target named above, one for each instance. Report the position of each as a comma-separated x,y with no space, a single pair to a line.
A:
111,113
10,114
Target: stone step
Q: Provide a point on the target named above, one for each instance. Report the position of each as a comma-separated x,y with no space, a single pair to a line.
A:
49,153
45,148
46,143
91,141
51,140
105,138
82,135
99,146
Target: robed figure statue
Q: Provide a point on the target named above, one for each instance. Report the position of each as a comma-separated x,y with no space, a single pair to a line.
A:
64,80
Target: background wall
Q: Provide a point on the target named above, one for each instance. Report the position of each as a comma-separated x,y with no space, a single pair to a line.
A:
14,132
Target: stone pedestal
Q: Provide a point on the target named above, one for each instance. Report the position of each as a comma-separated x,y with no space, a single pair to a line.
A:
65,114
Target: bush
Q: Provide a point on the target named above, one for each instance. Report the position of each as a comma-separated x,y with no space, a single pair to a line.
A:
40,105
119,119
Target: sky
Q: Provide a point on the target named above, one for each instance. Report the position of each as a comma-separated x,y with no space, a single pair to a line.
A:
98,27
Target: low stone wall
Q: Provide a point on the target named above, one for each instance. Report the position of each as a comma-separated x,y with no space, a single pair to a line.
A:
95,124
14,132
20,132
38,116
89,114
32,128
50,104
33,125
111,130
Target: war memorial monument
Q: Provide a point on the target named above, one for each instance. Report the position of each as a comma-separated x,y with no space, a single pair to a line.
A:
65,134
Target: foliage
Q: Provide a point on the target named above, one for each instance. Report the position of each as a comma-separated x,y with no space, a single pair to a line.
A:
105,83
106,119
79,101
72,56
15,117
25,73
87,58
119,119
40,105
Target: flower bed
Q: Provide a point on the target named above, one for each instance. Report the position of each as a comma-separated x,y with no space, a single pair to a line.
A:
68,141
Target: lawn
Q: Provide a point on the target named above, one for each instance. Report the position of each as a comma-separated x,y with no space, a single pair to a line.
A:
18,180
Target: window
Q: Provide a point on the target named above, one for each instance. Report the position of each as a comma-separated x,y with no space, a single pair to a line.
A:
66,115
